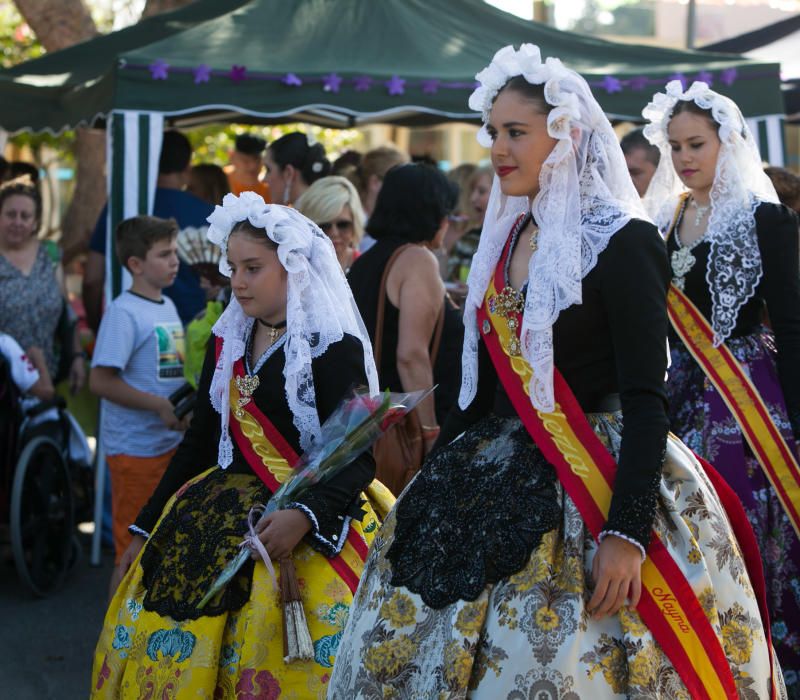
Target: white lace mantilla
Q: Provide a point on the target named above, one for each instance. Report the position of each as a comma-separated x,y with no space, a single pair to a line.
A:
740,185
320,309
585,196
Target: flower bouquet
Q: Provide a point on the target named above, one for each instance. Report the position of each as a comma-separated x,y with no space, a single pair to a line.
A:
350,431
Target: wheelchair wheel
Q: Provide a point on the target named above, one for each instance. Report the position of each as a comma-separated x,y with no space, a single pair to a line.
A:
41,521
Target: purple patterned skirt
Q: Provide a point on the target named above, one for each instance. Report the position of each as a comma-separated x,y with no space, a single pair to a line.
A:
701,419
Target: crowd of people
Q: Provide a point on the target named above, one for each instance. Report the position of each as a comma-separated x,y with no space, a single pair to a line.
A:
603,321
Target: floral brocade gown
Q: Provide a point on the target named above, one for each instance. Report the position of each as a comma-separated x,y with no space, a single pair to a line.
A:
528,636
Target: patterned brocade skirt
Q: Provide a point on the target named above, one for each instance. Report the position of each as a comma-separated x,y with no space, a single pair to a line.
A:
155,643
501,564
703,421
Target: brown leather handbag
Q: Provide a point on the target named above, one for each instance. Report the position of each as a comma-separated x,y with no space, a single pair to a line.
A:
399,453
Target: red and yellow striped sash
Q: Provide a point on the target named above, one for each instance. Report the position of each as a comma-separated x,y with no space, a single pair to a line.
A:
272,459
586,469
743,400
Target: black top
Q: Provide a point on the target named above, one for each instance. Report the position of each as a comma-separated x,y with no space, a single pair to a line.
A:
777,295
337,371
614,342
365,280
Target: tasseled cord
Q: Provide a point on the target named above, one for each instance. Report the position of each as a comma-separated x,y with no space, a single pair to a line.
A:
297,644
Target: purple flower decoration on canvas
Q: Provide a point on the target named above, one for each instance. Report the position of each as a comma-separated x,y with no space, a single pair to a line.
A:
202,74
159,69
395,85
362,83
705,77
639,82
238,73
430,87
680,77
331,82
728,76
292,80
612,85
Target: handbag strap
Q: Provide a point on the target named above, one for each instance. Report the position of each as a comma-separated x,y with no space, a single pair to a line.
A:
378,344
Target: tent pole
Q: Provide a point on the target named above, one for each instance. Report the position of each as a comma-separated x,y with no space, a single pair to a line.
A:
691,23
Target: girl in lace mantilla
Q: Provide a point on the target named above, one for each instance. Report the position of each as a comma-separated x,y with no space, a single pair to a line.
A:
734,254
495,576
284,353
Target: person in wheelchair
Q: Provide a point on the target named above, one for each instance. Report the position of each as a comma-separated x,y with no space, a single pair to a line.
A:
46,484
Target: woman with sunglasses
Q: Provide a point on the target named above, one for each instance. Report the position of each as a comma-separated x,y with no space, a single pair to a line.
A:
333,204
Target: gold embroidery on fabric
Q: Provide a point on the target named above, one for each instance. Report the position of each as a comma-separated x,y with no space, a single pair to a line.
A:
275,464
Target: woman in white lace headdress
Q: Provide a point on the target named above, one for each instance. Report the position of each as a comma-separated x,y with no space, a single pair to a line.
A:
283,355
734,254
511,567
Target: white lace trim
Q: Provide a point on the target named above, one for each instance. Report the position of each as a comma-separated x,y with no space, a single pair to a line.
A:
734,263
333,547
136,530
585,197
320,310
617,533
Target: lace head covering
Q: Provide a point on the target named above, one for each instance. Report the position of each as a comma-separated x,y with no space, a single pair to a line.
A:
740,185
585,196
320,309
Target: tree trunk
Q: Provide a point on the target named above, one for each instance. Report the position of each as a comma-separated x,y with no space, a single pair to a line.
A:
156,7
58,25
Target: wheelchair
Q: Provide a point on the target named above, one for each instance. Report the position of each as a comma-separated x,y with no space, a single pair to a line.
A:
46,486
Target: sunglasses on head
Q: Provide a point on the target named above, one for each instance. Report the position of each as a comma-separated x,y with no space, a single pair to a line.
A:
341,226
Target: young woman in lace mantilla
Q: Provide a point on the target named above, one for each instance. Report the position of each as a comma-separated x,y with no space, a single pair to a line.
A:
734,255
285,352
489,578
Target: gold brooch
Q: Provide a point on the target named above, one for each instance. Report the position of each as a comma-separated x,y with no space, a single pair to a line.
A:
246,385
509,303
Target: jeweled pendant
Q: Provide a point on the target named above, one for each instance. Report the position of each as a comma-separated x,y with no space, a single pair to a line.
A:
682,261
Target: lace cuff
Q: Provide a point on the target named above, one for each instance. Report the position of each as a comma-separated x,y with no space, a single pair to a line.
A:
627,538
329,546
136,530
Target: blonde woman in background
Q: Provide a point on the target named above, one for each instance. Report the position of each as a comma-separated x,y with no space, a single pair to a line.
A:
334,205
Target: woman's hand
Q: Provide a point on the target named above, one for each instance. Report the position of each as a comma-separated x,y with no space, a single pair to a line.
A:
77,374
617,572
280,532
128,557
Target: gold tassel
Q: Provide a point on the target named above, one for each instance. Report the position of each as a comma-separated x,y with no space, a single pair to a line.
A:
297,644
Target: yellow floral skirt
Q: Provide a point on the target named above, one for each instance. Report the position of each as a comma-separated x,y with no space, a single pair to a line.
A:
528,636
235,653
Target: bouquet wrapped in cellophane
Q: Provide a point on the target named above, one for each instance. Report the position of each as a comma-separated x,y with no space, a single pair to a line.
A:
350,431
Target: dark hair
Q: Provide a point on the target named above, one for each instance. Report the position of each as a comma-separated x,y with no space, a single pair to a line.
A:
25,187
208,182
295,150
176,153
3,168
692,108
135,236
20,168
636,139
530,91
348,159
412,203
787,185
259,235
250,144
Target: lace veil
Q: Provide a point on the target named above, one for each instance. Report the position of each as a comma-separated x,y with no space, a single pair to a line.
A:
585,196
740,185
320,310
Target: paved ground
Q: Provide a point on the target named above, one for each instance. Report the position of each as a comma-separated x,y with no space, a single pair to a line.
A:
46,645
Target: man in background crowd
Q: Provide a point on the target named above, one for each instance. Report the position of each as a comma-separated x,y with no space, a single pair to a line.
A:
642,159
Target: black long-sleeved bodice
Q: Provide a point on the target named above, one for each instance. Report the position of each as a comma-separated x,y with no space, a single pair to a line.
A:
777,295
614,342
335,372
